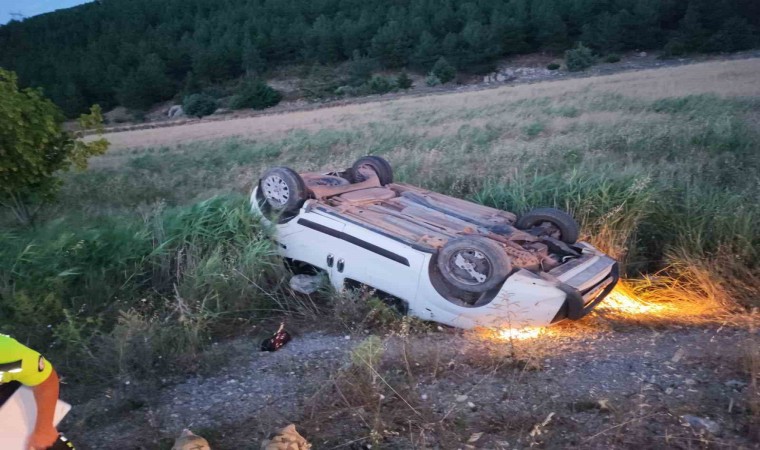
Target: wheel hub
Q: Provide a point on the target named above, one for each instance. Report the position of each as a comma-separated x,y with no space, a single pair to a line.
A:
276,190
470,267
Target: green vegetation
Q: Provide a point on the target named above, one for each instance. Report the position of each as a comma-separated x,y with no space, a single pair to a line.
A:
199,105
254,93
36,148
380,85
403,81
140,52
579,58
133,295
612,58
432,80
553,66
444,71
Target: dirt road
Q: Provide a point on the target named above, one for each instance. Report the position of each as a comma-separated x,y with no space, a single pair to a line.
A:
620,387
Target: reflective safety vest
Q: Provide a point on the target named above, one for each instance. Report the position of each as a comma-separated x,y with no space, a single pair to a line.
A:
20,363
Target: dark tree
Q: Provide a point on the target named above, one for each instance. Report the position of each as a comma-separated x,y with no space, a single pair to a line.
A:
146,85
444,71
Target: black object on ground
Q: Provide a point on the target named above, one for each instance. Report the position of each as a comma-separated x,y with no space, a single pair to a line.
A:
274,343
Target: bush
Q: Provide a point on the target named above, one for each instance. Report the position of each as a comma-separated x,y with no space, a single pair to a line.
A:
674,47
380,85
612,58
444,71
403,81
579,58
320,82
553,66
432,80
255,94
199,105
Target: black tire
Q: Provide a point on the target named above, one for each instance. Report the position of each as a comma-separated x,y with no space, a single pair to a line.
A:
492,264
379,165
568,228
283,190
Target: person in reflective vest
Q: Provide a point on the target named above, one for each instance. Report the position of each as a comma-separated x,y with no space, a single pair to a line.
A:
19,363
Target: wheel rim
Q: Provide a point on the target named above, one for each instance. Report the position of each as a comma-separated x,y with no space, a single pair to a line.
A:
470,267
276,191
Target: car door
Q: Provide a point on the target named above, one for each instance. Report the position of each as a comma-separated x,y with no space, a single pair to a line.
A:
379,262
314,239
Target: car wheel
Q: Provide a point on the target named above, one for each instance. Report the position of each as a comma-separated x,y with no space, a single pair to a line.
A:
552,222
283,189
474,263
380,166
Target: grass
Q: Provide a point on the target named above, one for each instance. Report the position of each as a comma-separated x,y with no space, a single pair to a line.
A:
135,296
151,254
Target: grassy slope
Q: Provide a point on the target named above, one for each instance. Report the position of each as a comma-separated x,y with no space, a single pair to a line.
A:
660,166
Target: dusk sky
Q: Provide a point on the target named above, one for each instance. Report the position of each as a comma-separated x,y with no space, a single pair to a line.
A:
29,8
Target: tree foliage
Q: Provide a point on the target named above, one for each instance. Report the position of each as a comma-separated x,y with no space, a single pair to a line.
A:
254,93
199,105
579,58
34,148
139,52
444,71
403,81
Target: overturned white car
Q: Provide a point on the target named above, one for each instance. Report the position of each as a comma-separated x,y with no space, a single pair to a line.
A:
443,259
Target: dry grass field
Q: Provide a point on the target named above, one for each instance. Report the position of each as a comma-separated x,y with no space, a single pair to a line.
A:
723,78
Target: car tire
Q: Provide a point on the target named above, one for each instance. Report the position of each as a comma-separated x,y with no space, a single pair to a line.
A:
283,190
474,263
568,228
379,165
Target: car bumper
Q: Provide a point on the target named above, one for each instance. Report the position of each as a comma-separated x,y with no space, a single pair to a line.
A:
579,303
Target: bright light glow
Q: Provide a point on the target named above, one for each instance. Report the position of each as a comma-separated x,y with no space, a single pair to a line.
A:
626,303
518,333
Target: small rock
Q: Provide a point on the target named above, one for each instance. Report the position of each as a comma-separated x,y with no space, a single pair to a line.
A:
461,398
175,111
474,437
347,337
471,405
700,423
736,384
642,54
424,396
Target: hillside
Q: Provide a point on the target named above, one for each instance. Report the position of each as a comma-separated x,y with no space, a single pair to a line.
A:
139,52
